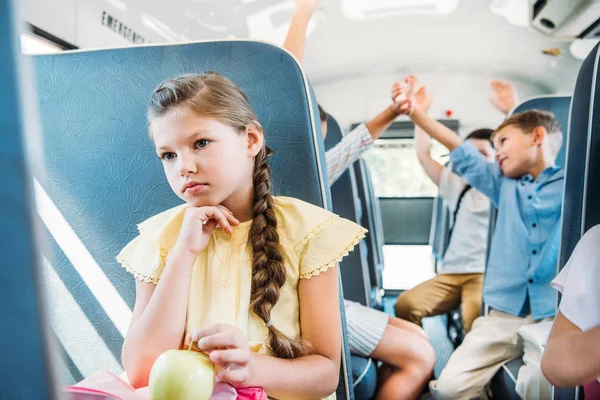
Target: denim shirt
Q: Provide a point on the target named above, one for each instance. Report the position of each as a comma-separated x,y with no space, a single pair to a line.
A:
524,251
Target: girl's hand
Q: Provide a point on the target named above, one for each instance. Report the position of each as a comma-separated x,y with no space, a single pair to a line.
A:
199,224
229,350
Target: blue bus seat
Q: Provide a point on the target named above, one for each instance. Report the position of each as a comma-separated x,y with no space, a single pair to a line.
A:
347,204
439,230
354,268
372,221
25,355
103,176
364,377
581,206
380,237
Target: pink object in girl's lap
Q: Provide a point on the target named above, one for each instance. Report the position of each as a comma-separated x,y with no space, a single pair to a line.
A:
77,393
253,393
104,385
108,384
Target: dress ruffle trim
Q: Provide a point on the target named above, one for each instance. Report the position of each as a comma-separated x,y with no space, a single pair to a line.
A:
350,247
161,250
298,246
137,275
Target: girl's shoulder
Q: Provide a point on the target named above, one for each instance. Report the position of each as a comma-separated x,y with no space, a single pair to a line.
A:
318,237
289,208
298,220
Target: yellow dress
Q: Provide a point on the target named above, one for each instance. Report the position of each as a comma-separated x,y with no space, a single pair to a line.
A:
313,240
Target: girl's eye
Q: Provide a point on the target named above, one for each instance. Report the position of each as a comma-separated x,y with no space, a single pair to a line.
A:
201,143
502,140
167,156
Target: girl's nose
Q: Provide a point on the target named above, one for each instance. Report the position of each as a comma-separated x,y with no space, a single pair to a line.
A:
187,166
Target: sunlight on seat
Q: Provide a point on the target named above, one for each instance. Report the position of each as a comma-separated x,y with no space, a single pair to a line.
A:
74,324
83,262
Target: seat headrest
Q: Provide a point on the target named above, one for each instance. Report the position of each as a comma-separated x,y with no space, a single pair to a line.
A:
581,208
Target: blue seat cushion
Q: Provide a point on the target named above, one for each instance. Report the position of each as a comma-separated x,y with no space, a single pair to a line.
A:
503,384
364,374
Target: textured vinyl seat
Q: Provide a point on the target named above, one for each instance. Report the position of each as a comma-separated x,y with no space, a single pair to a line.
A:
24,350
103,177
347,204
371,219
581,207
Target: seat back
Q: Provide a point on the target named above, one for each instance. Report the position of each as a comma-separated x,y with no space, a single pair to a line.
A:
372,222
380,237
581,209
560,106
346,203
581,205
24,355
438,236
103,176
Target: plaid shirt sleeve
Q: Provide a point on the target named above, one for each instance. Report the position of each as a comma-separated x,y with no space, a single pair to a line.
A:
346,152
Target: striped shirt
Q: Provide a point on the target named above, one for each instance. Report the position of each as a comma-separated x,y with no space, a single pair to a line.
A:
346,152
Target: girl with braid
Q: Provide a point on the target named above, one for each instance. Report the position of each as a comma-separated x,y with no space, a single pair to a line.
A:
245,276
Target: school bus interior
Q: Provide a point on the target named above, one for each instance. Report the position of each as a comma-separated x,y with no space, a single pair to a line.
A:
78,170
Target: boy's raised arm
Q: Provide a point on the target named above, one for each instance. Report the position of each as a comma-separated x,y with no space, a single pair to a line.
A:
504,96
467,161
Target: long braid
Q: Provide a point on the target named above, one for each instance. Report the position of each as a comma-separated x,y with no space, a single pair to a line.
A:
268,271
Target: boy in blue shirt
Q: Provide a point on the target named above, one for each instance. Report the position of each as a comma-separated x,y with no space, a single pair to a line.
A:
527,188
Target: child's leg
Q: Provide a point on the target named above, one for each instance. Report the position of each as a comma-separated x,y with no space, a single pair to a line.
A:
408,362
365,328
471,299
531,382
408,326
402,346
435,296
493,340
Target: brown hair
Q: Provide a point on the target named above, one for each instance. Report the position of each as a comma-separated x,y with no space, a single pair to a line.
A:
322,113
529,120
481,134
213,95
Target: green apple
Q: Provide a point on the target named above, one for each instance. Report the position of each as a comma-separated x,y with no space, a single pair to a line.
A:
182,375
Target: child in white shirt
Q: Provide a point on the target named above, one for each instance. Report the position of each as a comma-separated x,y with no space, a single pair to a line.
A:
572,354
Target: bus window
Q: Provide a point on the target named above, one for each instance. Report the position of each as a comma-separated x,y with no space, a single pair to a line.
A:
399,179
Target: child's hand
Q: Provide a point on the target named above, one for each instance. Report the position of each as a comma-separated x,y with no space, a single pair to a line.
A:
505,96
307,5
403,95
423,99
229,351
199,224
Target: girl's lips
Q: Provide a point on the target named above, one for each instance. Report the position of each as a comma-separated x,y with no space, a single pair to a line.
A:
195,187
